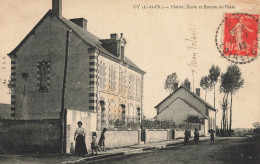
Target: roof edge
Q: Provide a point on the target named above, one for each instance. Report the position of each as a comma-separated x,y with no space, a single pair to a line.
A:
186,102
12,53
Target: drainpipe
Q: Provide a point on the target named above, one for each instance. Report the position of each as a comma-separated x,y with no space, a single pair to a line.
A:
142,101
63,111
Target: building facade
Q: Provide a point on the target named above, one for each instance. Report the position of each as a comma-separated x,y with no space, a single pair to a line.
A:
183,103
61,65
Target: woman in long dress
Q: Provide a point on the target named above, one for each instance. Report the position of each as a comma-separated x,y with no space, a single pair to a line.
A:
80,146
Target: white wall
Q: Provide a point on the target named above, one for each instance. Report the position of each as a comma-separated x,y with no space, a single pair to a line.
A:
177,111
155,135
89,124
116,139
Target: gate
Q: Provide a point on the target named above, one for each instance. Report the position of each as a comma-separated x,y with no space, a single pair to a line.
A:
143,135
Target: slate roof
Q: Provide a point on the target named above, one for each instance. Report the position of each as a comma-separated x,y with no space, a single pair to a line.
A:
196,96
85,35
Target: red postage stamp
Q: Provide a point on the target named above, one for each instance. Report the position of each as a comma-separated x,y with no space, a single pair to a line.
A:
239,43
240,35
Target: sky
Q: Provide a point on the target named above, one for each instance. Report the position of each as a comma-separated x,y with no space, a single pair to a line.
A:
156,42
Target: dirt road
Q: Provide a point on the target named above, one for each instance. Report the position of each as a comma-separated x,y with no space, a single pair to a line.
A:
225,150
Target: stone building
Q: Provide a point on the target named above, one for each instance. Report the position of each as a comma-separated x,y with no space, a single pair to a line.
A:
60,65
183,103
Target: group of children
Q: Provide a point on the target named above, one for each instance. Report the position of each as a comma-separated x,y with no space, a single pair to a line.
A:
196,136
101,143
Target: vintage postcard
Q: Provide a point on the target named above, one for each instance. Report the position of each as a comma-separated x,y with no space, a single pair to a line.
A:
129,81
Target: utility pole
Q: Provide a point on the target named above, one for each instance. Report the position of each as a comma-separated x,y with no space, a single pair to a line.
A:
63,111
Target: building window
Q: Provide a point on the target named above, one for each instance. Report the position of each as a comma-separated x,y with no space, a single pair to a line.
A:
43,76
102,75
132,88
112,78
139,114
138,88
123,112
126,83
103,114
121,83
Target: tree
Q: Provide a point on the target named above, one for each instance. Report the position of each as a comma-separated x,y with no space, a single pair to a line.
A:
169,82
256,124
214,73
205,84
231,82
186,83
224,106
193,119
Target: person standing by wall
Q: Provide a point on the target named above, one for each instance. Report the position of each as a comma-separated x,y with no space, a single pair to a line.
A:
196,136
80,146
186,134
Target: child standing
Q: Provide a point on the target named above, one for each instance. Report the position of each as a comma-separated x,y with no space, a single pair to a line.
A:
196,136
212,138
94,145
101,142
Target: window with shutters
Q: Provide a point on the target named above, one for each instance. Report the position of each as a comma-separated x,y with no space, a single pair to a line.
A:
112,78
121,82
132,88
102,75
138,88
43,76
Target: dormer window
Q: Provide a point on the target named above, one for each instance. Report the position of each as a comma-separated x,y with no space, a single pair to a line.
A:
115,45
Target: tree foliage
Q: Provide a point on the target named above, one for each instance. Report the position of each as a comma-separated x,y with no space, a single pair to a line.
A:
256,124
232,80
205,84
169,82
157,124
214,73
186,83
193,119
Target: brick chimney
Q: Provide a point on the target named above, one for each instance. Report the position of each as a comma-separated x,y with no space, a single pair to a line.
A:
82,22
175,86
187,86
113,36
198,91
57,7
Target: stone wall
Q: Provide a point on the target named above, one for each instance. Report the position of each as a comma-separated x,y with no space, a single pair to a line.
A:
155,135
30,136
116,138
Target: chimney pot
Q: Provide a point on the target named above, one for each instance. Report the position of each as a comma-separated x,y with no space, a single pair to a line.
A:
113,36
198,91
57,7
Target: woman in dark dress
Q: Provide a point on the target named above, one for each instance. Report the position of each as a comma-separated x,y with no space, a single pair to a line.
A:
80,146
101,142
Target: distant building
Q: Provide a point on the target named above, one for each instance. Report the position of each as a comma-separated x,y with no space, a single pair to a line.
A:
182,103
61,65
5,111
